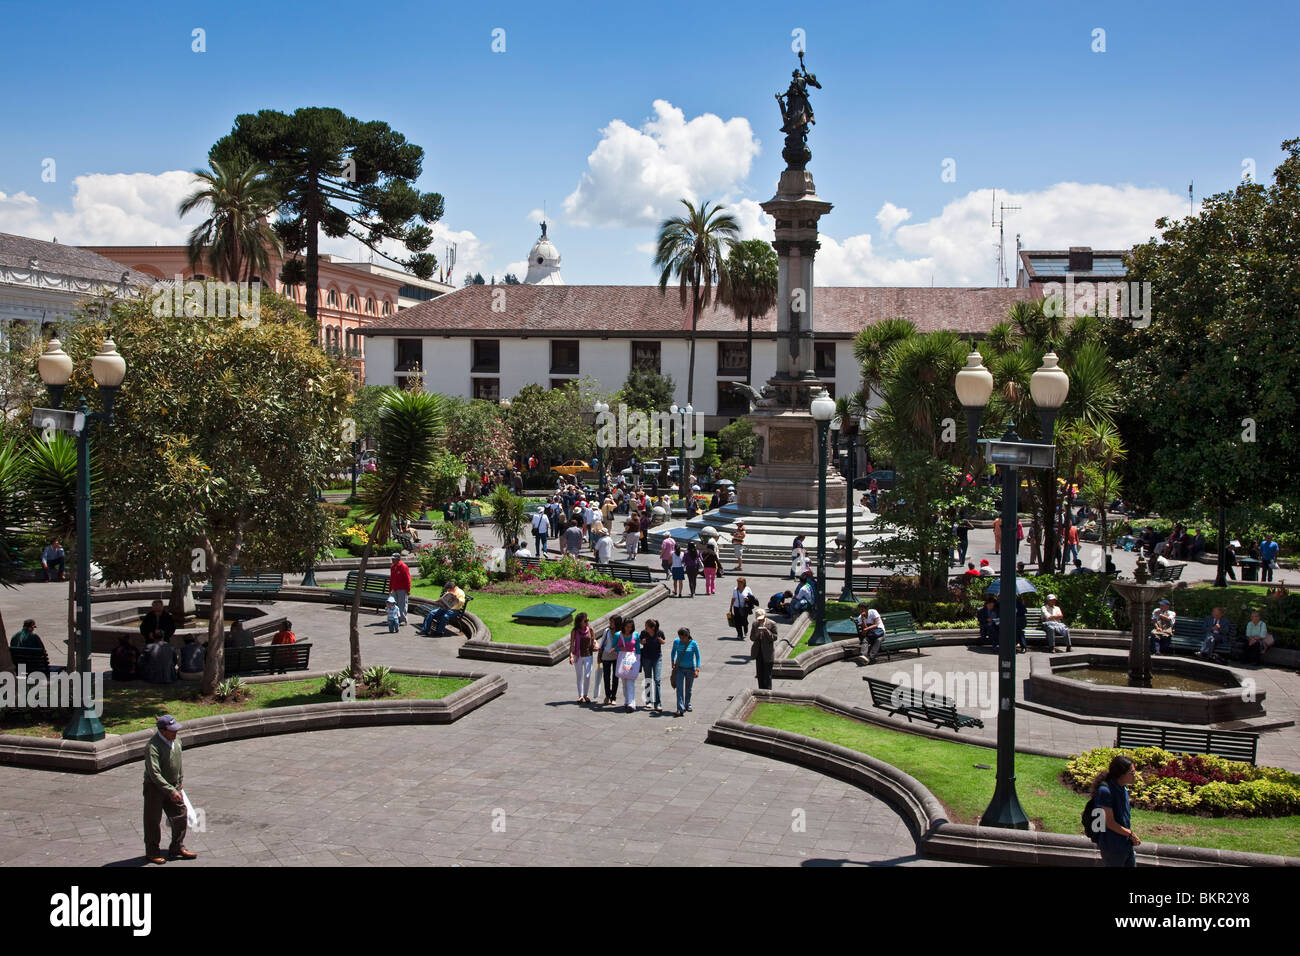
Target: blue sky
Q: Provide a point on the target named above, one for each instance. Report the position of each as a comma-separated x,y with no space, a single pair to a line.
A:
651,102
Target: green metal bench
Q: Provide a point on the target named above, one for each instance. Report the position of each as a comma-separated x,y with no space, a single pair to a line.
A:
1189,634
265,582
267,659
900,633
625,572
1230,744
1170,572
374,589
912,703
35,659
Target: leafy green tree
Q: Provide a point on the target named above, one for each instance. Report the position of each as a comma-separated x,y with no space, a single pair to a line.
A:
237,233
15,512
693,248
364,409
411,431
552,423
221,434
647,390
511,279
478,279
1212,384
477,432
752,272
51,476
341,176
446,472
738,441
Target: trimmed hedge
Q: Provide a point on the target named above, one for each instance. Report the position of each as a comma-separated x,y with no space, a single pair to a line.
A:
1203,784
1086,599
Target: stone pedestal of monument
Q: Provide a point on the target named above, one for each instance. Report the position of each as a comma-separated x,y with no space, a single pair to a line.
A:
785,477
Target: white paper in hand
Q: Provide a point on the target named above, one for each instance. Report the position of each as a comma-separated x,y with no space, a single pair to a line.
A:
191,815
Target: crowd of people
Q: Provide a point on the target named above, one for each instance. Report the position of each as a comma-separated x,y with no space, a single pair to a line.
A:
624,655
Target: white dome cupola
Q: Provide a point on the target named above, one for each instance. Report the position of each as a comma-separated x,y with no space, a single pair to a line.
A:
543,262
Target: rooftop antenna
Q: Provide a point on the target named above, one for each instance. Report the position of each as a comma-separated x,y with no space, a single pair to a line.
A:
449,257
999,219
1189,199
1020,268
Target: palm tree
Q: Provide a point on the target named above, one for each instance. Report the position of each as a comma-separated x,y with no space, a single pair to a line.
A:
752,273
694,249
871,348
15,507
1100,487
237,232
412,430
52,485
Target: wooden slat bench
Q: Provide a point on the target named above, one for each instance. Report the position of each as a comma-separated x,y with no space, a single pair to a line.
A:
912,703
374,589
1189,634
35,659
635,573
267,659
900,633
1230,744
265,582
1169,572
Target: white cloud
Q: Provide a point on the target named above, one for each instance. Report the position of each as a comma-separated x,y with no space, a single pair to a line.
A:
108,209
635,177
754,223
536,216
891,216
958,247
646,248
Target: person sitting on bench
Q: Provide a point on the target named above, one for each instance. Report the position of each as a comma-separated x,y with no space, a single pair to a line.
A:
989,621
871,633
779,603
124,658
451,601
805,598
1162,627
193,657
1219,632
1054,624
28,637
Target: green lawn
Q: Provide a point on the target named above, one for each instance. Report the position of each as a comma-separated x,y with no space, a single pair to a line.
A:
495,610
948,771
835,611
132,708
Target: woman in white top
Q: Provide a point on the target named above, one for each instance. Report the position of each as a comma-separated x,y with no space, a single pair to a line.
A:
741,596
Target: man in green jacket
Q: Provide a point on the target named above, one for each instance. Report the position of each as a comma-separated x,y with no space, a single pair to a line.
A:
163,793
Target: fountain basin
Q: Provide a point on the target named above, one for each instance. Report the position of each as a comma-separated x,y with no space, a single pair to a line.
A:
1196,692
108,625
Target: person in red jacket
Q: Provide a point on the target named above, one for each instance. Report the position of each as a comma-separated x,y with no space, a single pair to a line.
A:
399,584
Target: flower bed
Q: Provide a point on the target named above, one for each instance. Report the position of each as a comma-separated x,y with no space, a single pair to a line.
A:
538,586
1201,784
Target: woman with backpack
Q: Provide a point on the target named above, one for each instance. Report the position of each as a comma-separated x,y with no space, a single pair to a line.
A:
582,641
1106,816
709,565
691,565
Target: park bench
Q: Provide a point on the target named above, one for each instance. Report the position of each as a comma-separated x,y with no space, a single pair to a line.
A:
530,562
1230,744
265,582
374,589
940,711
453,621
873,582
625,572
900,633
267,659
1169,572
1189,634
34,659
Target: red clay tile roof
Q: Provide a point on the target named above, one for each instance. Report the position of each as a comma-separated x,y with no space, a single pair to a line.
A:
632,310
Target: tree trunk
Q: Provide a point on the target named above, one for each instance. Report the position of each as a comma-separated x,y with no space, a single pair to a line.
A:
1221,575
214,665
176,605
313,261
1051,546
354,631
690,372
749,347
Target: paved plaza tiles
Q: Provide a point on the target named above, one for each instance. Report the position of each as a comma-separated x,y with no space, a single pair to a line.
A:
563,784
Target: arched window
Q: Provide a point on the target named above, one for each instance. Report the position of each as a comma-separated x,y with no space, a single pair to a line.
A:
332,299
370,306
352,302
388,307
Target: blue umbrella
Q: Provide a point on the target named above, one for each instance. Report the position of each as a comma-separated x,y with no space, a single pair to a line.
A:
1023,586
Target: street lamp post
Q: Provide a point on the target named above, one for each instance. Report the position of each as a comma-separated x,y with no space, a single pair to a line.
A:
1049,387
823,409
108,369
600,408
356,467
847,594
682,415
